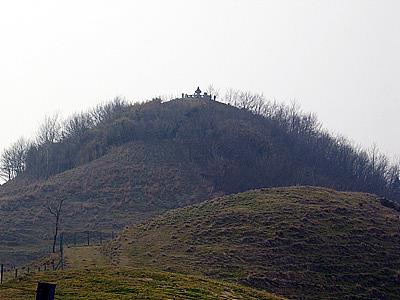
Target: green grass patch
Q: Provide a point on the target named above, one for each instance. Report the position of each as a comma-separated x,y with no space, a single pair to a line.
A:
127,283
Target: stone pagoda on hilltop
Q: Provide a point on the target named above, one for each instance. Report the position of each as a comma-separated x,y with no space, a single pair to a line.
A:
198,95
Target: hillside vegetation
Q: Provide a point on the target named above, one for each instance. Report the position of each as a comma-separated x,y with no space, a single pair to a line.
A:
300,242
251,144
123,163
128,185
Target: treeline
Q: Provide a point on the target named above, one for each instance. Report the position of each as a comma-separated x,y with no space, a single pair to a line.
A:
58,144
249,143
347,167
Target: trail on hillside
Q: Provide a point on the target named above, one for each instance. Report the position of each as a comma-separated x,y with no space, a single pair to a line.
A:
85,257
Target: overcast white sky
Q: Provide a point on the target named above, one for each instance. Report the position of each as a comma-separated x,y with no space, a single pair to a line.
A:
340,59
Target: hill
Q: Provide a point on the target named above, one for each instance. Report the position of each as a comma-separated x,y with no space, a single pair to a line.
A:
300,242
129,184
123,163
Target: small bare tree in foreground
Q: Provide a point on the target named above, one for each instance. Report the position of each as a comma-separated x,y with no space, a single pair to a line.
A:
55,209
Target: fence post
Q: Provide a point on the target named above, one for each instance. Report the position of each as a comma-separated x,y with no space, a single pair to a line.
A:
45,291
16,272
88,238
1,274
62,250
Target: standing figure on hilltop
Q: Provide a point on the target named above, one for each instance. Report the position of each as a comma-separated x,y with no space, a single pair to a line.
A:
197,93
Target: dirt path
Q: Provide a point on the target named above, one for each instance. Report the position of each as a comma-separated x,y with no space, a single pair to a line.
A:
84,257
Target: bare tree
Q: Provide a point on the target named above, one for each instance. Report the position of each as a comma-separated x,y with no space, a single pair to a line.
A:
373,154
106,112
50,130
55,209
13,159
48,134
231,96
77,125
212,91
6,166
20,150
247,100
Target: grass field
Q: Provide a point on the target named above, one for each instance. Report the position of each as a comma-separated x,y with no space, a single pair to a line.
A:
89,275
127,283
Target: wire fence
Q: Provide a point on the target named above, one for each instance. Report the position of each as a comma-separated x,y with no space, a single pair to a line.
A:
56,261
87,237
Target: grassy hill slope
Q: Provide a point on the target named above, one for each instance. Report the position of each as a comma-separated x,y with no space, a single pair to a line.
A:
129,184
301,242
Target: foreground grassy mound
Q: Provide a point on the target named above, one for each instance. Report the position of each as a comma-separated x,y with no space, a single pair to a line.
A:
128,284
301,242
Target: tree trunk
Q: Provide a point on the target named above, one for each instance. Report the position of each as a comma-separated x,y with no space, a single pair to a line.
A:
55,234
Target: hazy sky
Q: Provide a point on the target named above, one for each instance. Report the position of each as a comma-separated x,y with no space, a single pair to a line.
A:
340,59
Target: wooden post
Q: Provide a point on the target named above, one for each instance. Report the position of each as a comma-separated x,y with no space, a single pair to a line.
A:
74,238
45,291
88,238
28,270
16,272
1,274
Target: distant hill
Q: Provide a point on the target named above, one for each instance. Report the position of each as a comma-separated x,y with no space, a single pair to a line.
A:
123,163
300,242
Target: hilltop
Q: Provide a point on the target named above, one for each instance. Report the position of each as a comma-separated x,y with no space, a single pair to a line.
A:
300,242
124,163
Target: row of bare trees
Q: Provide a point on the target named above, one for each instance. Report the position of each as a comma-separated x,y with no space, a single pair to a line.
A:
13,159
278,144
38,154
360,169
